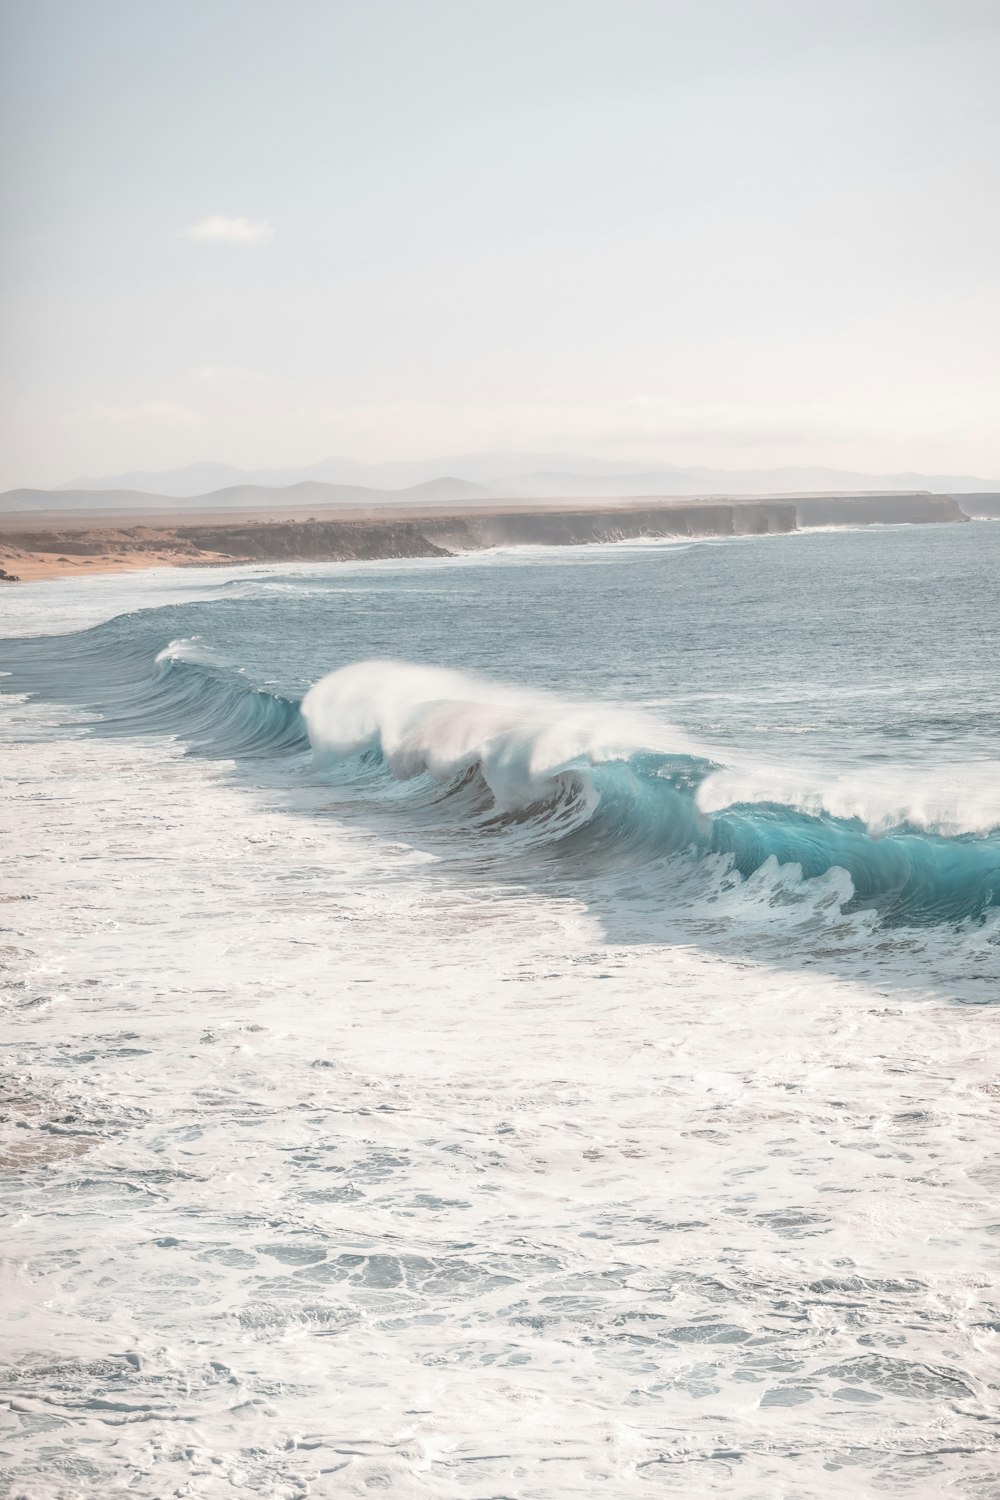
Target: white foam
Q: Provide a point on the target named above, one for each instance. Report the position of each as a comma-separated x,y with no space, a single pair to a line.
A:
331,1176
953,799
190,649
336,1169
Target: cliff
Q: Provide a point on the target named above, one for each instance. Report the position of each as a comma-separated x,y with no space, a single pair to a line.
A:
552,528
303,541
72,544
874,510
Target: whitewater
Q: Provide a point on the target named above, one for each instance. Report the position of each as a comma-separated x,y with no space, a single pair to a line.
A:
512,1025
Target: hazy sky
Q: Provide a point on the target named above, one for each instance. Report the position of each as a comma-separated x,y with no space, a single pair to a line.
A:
726,232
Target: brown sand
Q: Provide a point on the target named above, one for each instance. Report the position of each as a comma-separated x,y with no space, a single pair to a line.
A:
29,567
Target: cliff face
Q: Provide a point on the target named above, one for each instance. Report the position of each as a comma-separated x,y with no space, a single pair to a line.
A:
572,528
304,541
869,510
435,536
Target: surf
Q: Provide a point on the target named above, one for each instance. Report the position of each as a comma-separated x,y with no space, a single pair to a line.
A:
608,786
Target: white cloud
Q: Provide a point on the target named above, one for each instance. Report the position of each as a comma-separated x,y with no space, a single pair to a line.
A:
217,229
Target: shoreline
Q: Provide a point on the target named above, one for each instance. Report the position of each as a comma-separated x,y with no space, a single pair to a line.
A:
37,547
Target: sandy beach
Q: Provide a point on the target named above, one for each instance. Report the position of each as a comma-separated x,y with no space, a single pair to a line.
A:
34,567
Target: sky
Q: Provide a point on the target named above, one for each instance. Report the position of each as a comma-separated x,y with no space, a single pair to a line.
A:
735,233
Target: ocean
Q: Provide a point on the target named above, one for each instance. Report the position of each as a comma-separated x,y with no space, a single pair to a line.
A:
513,1025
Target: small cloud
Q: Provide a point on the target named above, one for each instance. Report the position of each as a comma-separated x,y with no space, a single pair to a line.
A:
217,229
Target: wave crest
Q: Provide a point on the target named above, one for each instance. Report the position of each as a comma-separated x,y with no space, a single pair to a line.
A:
443,722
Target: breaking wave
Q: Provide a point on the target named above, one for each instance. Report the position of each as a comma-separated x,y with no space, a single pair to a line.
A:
520,776
601,787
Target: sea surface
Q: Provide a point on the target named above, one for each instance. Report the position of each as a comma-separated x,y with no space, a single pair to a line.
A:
514,1027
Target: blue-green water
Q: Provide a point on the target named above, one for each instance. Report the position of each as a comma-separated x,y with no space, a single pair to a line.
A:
823,702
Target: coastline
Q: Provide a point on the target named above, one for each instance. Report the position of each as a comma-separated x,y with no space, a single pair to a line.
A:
48,545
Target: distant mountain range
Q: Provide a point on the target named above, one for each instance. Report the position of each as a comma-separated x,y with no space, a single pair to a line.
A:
476,479
494,476
308,492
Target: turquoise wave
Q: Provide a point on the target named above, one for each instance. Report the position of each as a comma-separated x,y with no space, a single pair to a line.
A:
590,816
